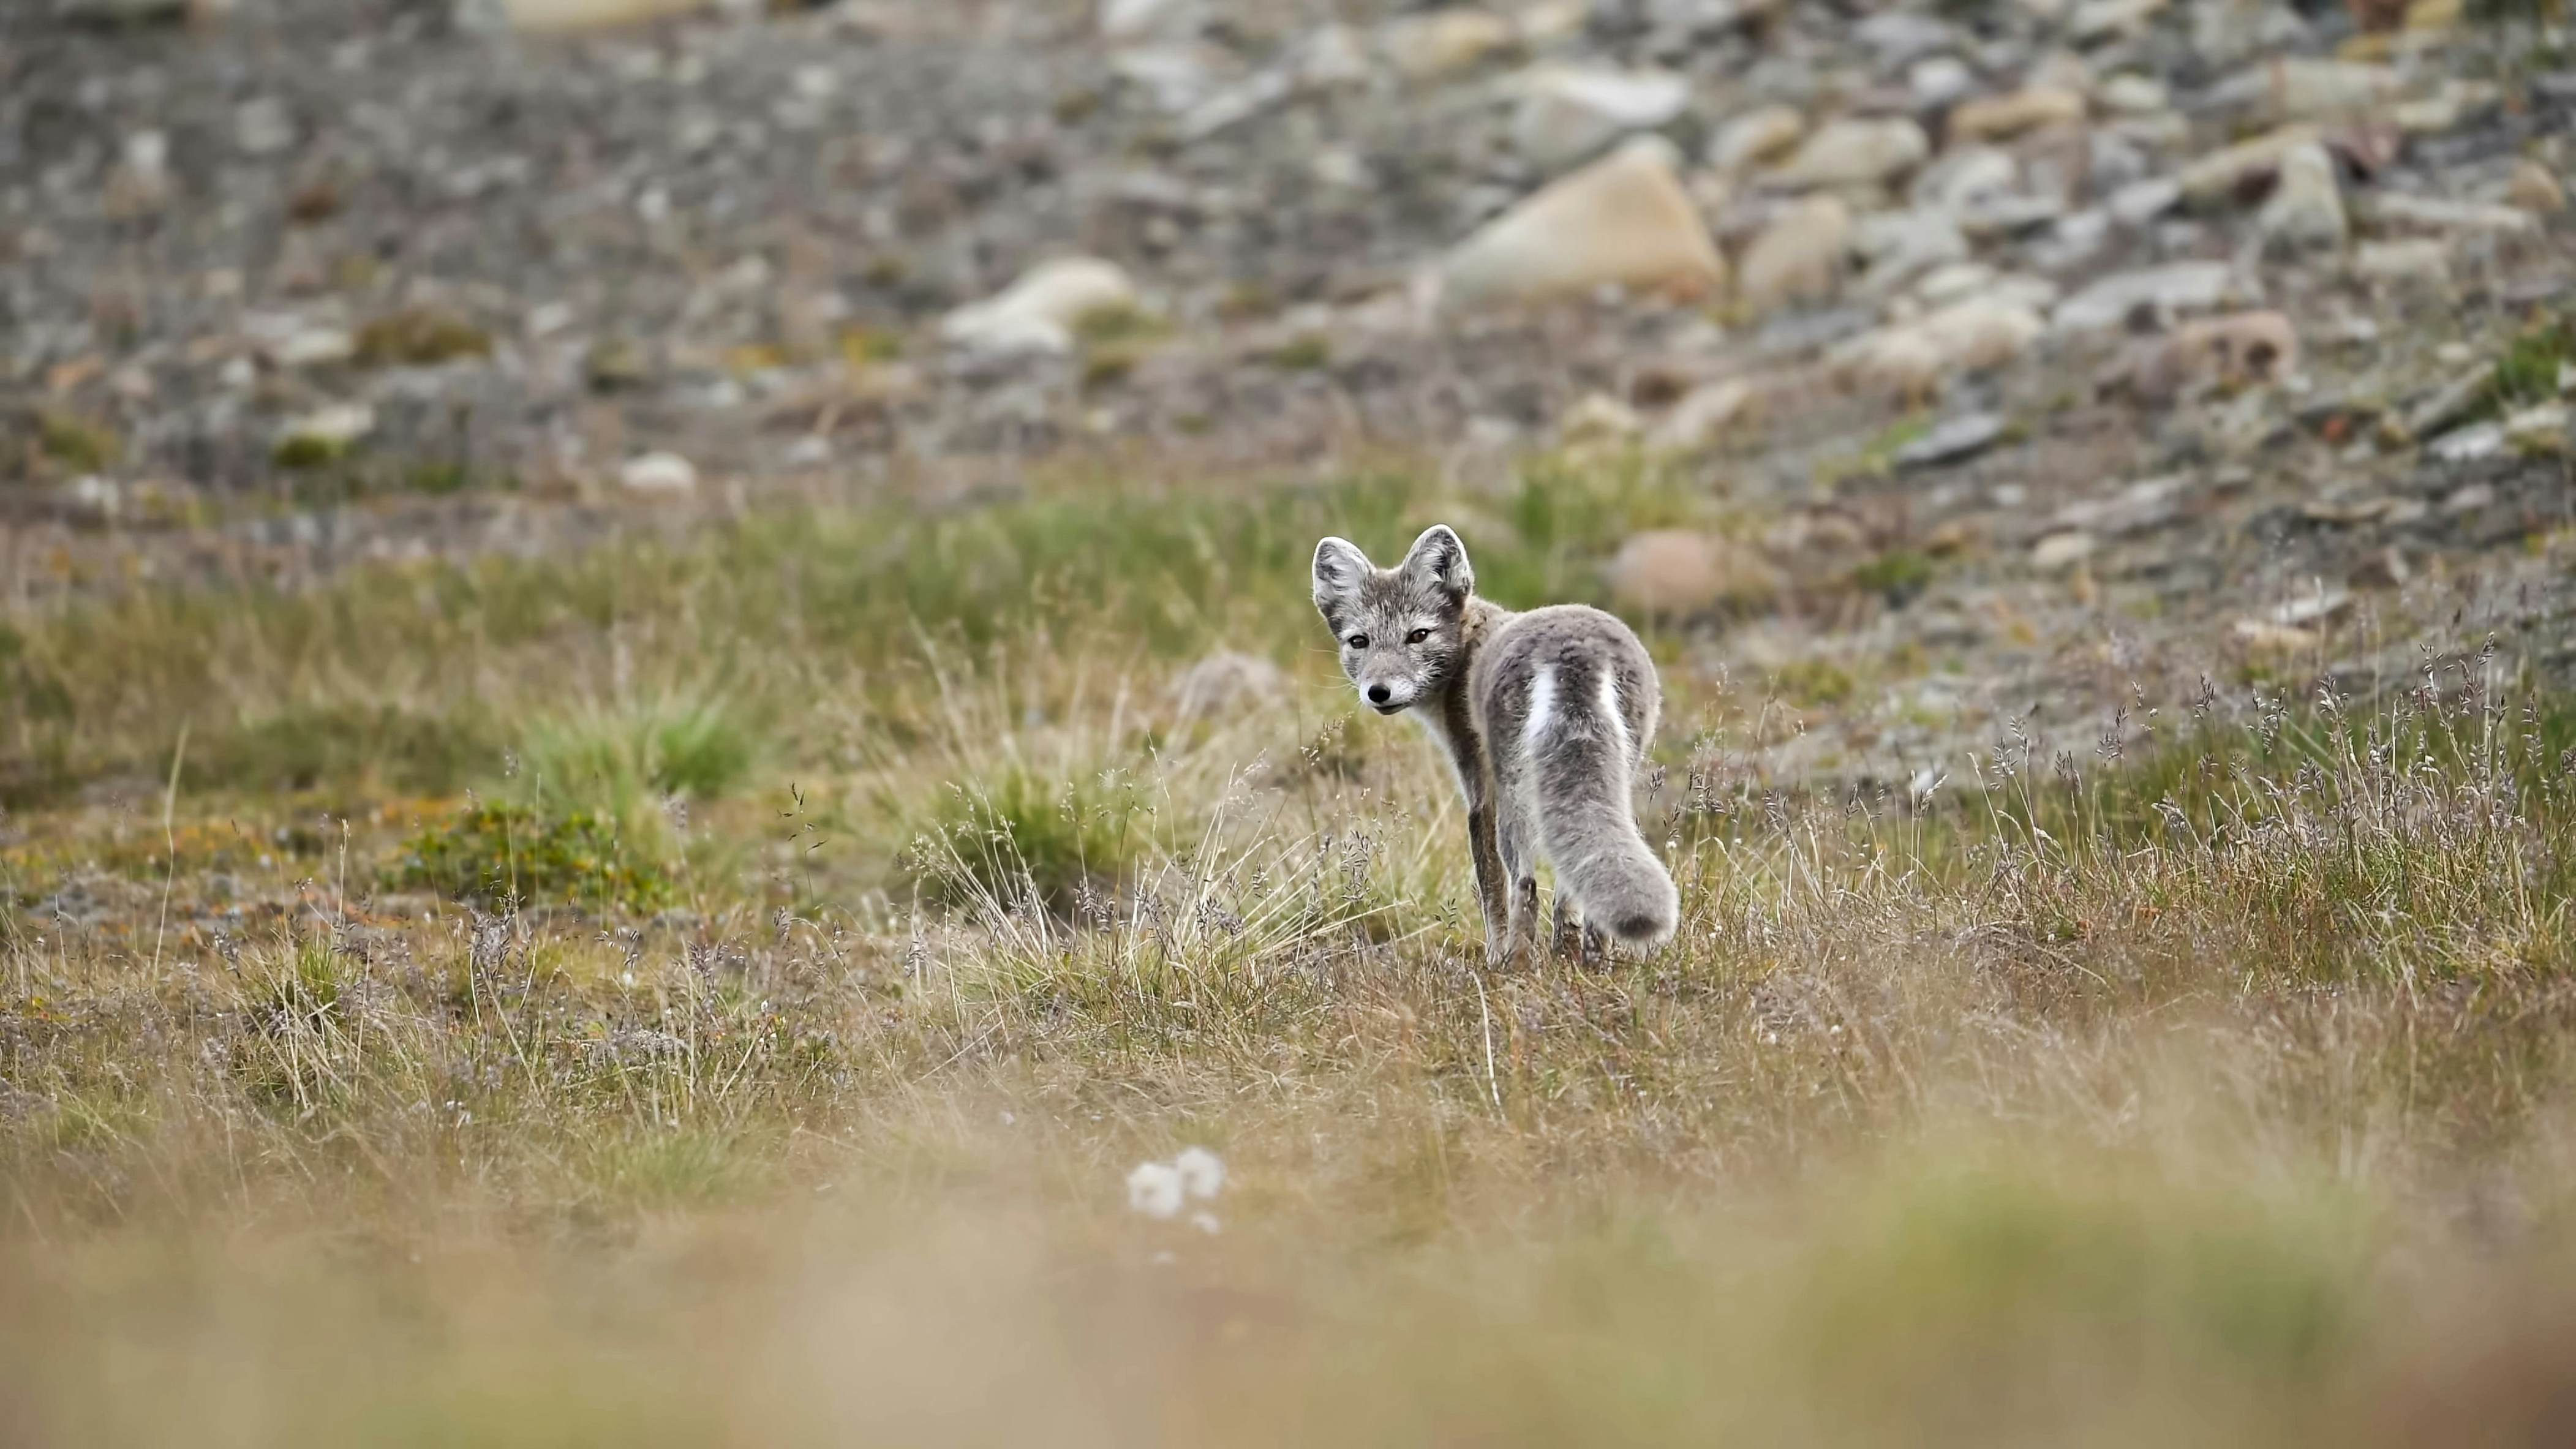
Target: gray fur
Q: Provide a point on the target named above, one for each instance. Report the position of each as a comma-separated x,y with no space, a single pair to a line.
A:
1545,715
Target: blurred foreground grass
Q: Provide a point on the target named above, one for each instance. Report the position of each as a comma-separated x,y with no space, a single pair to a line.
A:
715,994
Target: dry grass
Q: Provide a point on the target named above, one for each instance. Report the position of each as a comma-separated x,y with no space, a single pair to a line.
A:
2208,1087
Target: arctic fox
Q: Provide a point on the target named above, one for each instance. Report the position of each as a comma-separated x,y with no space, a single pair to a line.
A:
1545,716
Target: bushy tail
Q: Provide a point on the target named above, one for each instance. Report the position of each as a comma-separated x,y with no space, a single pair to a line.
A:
1590,833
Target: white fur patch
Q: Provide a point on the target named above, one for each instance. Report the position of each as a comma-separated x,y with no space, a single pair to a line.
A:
1542,708
1617,722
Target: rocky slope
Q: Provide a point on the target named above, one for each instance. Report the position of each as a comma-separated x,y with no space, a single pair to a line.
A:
2021,354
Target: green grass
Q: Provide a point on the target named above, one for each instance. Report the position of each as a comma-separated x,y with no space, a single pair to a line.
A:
1015,835
838,907
499,854
78,443
1310,353
780,608
381,746
623,761
419,337
2527,371
1899,575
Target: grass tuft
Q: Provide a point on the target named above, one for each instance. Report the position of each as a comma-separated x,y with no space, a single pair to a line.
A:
622,762
493,854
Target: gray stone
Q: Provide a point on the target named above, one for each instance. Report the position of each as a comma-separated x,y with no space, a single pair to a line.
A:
2130,93
2223,172
2093,21
2305,211
1965,175
1568,113
1176,77
1799,256
1900,246
1855,152
2450,402
263,127
2160,291
2141,202
1756,138
2422,259
2400,209
1705,413
1440,43
1939,80
2469,444
2062,550
1227,680
1133,19
1901,35
1039,312
1238,103
1952,440
663,473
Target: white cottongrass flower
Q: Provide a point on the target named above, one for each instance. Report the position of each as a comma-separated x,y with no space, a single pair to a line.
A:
1202,1172
1160,1189
1155,1189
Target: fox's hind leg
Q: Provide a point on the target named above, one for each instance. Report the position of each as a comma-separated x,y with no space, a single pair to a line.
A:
1574,941
1524,943
1519,946
1577,941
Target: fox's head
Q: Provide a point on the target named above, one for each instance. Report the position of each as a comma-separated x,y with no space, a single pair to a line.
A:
1399,628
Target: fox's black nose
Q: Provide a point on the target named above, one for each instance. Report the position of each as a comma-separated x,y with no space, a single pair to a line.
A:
1377,694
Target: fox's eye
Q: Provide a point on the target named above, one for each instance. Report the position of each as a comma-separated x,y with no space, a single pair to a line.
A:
1357,641
1417,636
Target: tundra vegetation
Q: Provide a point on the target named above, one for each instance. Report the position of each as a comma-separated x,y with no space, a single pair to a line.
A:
715,991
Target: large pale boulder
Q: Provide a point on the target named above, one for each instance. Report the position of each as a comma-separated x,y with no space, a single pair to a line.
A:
1624,220
1039,312
1799,255
1676,572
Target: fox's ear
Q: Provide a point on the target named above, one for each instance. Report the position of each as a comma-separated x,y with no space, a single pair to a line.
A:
1438,560
1340,568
